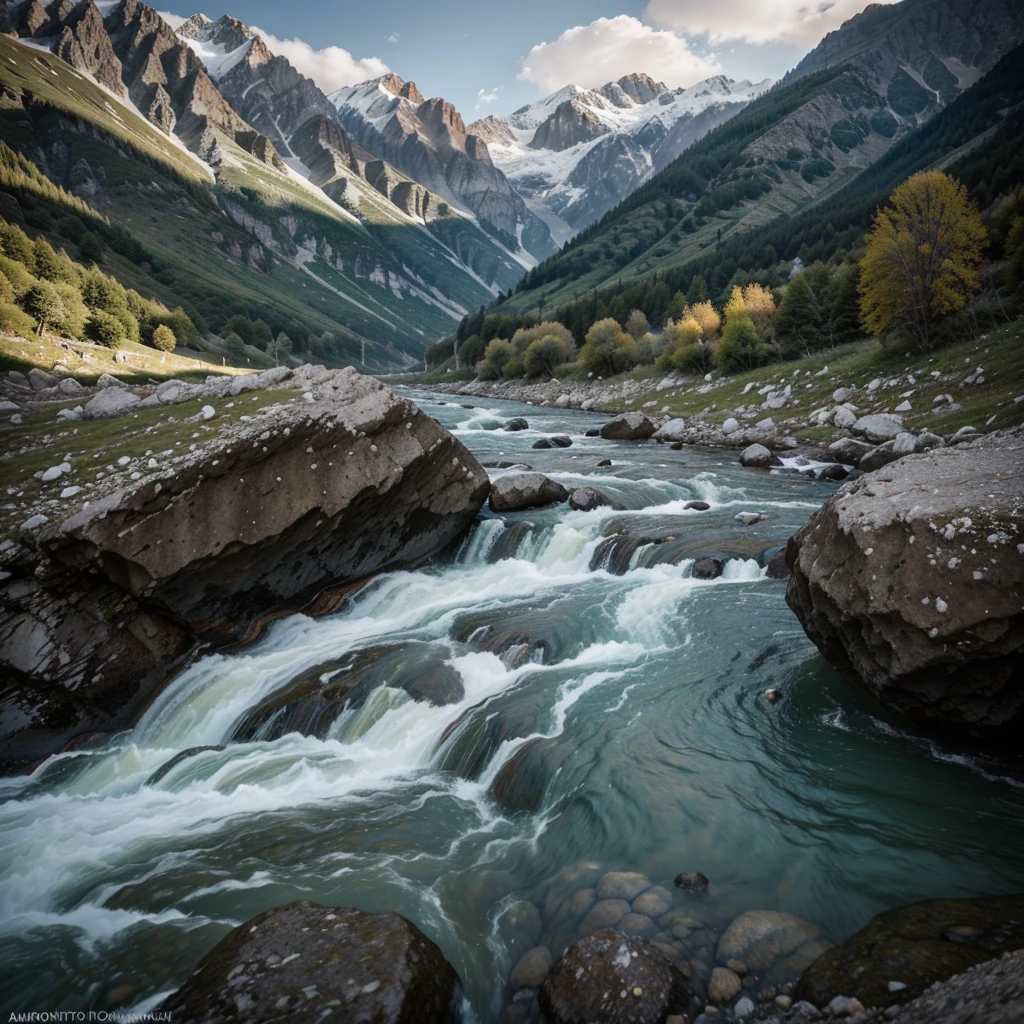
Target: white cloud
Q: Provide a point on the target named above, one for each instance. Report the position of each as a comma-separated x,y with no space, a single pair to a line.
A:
485,96
754,21
331,68
393,38
606,49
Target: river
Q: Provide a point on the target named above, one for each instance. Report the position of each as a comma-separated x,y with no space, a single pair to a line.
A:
608,713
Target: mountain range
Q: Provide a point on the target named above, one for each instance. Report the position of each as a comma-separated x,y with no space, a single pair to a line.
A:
380,216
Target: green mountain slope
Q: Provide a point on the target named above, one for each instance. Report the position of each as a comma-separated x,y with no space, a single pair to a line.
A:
251,238
791,150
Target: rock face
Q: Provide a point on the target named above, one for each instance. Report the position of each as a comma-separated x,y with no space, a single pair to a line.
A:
910,581
587,982
914,946
304,961
262,516
525,490
992,992
629,426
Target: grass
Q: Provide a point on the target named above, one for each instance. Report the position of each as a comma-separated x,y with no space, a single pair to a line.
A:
87,362
987,406
94,446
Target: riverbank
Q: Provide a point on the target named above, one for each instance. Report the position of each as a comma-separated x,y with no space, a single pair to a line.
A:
976,383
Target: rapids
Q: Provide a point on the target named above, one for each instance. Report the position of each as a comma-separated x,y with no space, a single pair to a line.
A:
538,705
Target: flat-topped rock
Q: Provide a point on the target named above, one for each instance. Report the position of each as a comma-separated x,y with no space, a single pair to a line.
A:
910,581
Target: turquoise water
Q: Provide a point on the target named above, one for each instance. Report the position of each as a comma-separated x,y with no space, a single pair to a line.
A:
604,711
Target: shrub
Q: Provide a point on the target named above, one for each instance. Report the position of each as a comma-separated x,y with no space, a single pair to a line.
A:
16,321
543,355
608,349
514,368
90,248
525,336
105,329
6,288
72,321
740,347
43,302
163,338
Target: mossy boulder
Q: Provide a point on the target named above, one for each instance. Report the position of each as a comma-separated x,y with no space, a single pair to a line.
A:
304,961
913,947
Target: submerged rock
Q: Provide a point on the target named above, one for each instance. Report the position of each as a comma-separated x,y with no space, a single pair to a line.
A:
773,945
903,951
910,581
304,961
629,426
614,979
517,423
525,490
555,441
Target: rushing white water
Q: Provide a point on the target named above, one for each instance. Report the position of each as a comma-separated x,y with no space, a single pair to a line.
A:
586,716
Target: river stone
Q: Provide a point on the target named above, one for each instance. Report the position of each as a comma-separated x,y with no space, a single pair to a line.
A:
879,457
532,968
878,427
40,380
524,917
654,902
707,568
724,986
731,425
843,418
910,583
517,423
588,982
586,499
304,961
849,450
555,441
622,885
525,490
111,401
914,946
926,441
773,945
605,914
841,395
758,457
691,881
672,430
777,567
637,924
697,506
629,426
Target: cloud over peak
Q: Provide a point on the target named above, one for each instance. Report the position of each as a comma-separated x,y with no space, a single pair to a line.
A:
608,48
331,68
754,21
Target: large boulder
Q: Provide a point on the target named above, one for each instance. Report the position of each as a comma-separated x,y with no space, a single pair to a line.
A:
525,490
672,430
109,402
260,515
910,581
992,993
615,979
757,456
629,426
304,961
878,427
903,951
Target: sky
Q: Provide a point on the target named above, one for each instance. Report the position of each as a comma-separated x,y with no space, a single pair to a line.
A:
494,56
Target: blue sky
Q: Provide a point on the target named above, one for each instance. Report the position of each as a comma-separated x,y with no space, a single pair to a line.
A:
490,57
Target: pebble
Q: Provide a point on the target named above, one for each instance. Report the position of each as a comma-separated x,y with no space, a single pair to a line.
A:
34,522
744,1008
896,986
783,1002
692,881
749,518
208,412
70,492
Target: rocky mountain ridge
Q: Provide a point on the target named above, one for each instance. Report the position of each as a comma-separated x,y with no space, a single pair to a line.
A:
578,152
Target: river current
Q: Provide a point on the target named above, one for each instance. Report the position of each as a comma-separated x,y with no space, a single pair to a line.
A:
535,708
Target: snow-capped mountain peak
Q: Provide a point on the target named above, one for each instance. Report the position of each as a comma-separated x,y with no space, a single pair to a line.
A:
220,44
580,151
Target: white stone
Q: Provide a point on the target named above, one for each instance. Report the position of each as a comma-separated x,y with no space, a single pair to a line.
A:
841,395
70,492
842,417
744,1007
904,407
34,523
731,425
208,412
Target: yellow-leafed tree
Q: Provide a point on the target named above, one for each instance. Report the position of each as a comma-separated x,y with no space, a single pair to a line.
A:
922,257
